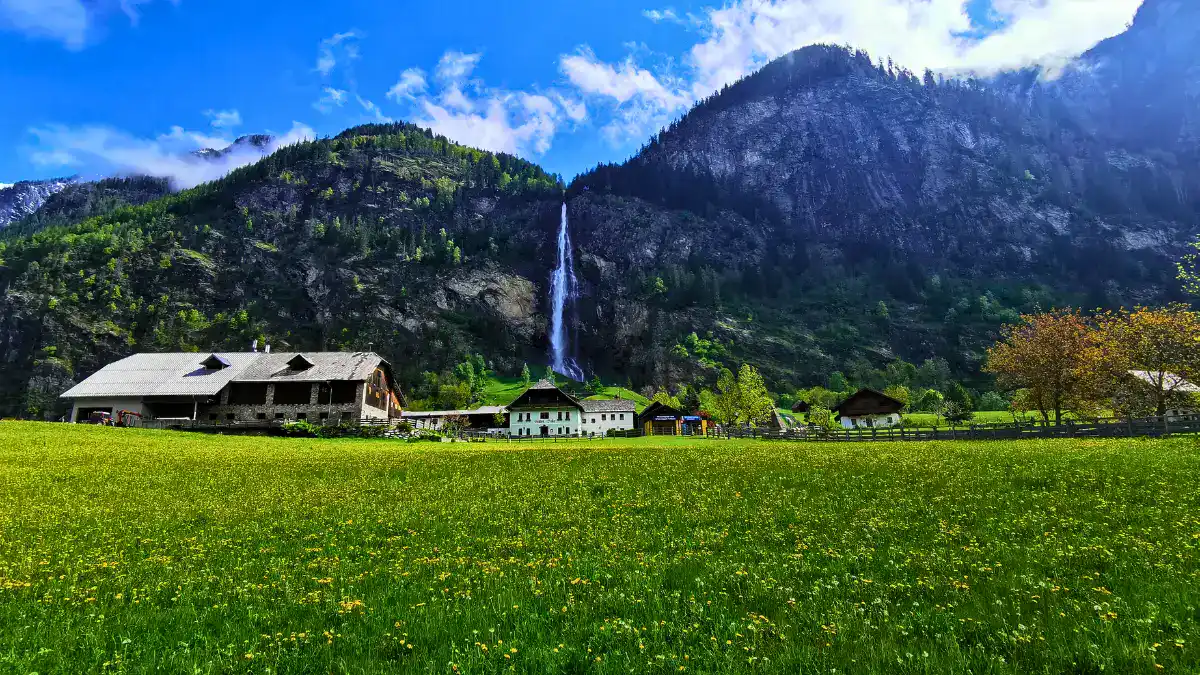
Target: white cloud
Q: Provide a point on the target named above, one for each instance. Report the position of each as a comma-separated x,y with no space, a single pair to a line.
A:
166,156
62,20
456,66
622,82
469,112
661,15
224,119
333,98
411,82
936,34
373,110
743,35
640,100
71,22
328,51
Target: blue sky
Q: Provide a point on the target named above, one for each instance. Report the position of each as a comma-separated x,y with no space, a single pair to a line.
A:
99,87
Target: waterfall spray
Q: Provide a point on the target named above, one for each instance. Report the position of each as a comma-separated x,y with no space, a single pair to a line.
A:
563,291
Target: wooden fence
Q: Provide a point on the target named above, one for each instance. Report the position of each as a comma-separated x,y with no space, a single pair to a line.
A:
1154,427
1100,428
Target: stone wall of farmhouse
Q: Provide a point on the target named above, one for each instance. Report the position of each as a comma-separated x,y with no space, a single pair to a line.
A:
270,411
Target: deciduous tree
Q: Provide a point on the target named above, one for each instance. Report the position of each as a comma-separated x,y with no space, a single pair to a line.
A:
1162,346
1057,358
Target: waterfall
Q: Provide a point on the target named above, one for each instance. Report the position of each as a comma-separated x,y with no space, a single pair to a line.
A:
562,291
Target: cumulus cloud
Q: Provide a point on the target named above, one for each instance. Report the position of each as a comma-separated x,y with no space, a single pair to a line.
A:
224,119
466,110
169,155
743,35
411,82
640,100
71,22
935,34
456,66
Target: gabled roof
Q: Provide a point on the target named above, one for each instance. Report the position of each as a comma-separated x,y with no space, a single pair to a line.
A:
544,394
326,367
608,405
178,374
186,374
658,409
1169,381
868,402
801,407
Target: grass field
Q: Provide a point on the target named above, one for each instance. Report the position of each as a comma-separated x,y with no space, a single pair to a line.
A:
929,420
137,551
504,390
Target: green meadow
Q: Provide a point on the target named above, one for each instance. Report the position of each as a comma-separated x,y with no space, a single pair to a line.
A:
136,551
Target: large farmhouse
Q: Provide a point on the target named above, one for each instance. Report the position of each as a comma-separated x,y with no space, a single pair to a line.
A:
242,387
546,410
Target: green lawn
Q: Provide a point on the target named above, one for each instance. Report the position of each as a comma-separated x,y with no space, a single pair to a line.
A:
504,390
137,551
929,420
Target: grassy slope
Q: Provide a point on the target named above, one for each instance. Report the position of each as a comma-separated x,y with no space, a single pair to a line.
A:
504,390
175,552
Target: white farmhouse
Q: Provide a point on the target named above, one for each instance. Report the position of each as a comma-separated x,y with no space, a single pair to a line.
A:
867,409
544,410
601,417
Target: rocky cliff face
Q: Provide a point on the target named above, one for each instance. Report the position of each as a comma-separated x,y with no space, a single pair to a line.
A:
828,210
26,197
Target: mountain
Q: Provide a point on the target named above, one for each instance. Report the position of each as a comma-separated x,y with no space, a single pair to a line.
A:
259,143
78,201
830,212
826,213
386,237
24,198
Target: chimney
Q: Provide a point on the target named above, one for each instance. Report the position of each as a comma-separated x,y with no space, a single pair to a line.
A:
254,346
268,349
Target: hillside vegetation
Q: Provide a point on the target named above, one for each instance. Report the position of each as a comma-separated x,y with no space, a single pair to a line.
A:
149,551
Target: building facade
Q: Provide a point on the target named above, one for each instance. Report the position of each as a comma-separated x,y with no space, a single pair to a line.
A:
869,409
601,417
544,410
225,388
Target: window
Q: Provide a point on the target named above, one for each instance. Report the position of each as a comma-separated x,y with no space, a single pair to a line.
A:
343,392
278,416
560,431
301,416
293,393
559,415
347,418
545,415
568,415
593,420
230,416
603,417
622,415
247,393
324,416
262,416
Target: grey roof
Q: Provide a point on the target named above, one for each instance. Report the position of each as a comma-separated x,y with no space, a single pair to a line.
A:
327,367
1169,381
605,406
182,374
482,410
161,375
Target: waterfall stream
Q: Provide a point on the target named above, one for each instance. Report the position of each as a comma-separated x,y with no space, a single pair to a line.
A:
563,292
